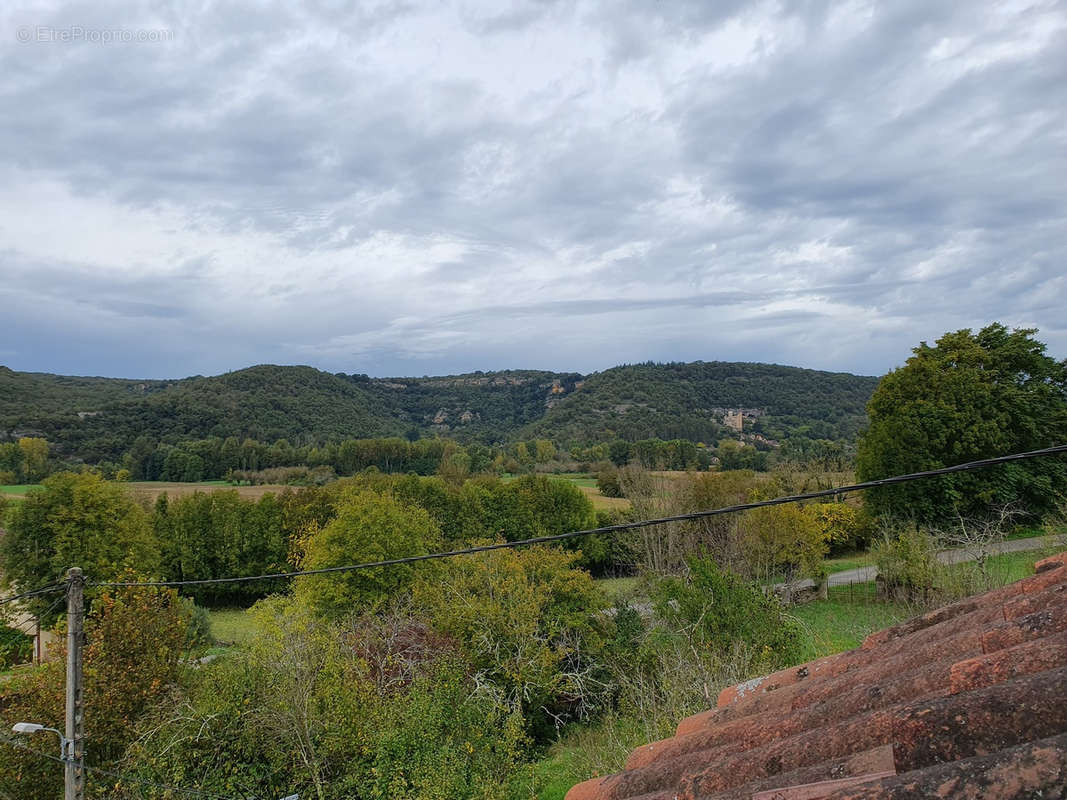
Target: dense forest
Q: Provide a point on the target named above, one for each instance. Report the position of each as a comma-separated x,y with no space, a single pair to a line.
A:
686,401
100,419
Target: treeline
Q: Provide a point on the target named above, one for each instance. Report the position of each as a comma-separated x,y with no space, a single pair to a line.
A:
250,461
216,458
220,534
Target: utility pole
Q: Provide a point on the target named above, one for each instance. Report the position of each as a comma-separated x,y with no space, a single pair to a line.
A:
74,769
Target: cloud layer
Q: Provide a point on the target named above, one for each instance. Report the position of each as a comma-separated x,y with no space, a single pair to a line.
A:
420,188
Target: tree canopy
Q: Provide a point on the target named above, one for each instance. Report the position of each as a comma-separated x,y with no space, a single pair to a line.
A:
970,396
76,520
368,527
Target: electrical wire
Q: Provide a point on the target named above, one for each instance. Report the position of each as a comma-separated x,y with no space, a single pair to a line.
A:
23,746
52,587
625,526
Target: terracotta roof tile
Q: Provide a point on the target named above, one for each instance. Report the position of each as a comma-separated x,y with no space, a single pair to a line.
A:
966,696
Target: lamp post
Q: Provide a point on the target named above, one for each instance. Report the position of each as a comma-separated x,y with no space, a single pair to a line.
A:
33,727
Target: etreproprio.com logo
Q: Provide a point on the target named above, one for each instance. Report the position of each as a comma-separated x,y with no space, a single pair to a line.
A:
75,34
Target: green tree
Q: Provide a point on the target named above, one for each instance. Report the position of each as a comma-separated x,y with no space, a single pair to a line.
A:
34,458
368,527
971,396
76,520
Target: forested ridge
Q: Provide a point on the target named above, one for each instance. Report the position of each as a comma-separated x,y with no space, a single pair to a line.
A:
686,400
100,418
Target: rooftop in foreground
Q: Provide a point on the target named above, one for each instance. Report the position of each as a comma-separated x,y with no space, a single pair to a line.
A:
966,701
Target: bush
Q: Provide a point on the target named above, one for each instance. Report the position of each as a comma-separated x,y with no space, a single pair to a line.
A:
15,647
845,528
530,623
781,542
723,612
369,706
198,622
607,481
907,565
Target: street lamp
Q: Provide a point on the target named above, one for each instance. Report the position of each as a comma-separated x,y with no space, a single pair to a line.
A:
33,727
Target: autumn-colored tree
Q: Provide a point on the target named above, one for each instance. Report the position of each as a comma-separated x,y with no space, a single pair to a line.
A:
844,527
782,542
134,642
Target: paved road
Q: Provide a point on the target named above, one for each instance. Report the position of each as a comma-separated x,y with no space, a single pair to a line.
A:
864,574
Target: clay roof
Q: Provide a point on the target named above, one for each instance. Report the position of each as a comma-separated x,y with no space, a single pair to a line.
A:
969,700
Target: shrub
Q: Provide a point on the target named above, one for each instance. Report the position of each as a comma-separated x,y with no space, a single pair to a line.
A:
607,481
198,622
307,708
843,527
782,542
15,647
907,564
724,611
529,622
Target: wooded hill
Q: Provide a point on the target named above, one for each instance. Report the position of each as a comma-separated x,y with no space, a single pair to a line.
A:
98,418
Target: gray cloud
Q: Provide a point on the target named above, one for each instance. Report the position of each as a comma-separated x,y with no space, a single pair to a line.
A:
396,187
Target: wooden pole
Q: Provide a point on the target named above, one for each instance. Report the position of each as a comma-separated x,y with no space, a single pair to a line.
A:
74,770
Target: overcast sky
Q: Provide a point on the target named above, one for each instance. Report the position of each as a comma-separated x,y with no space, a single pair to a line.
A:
422,188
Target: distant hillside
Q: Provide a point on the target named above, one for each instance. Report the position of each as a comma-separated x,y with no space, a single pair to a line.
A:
490,406
99,418
686,401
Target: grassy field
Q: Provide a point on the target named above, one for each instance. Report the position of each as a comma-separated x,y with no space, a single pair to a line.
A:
231,625
621,588
18,490
150,490
848,561
846,619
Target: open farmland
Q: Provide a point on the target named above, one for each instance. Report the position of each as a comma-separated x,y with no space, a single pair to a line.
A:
150,490
18,490
599,501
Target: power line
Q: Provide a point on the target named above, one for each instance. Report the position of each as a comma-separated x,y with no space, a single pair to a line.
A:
625,526
23,746
52,587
